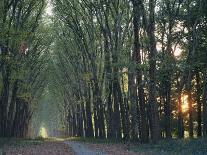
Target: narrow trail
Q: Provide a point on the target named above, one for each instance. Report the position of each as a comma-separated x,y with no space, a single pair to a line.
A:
81,149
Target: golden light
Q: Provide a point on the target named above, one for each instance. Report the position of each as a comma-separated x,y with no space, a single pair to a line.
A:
177,51
184,100
43,132
125,80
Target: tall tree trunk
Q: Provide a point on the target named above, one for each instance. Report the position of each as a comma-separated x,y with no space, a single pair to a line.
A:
169,69
110,129
79,121
84,122
108,81
192,45
180,118
116,107
11,113
89,115
122,112
190,115
4,100
205,103
155,130
168,111
198,95
75,128
134,106
144,133
127,122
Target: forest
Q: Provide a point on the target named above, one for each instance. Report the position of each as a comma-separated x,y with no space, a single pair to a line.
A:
124,70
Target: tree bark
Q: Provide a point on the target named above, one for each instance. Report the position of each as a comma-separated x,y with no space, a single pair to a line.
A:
144,133
205,103
89,115
199,105
155,130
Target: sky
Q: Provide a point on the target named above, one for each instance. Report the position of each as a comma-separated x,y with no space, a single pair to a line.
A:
49,8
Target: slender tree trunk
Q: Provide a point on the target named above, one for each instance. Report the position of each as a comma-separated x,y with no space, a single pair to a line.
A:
127,122
108,81
110,129
95,118
190,114
168,79
79,121
4,100
116,107
83,111
89,115
12,107
134,105
152,75
75,129
144,133
198,95
122,112
180,118
205,104
168,111
101,119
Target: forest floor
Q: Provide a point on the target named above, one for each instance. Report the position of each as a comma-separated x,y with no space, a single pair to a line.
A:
34,147
101,147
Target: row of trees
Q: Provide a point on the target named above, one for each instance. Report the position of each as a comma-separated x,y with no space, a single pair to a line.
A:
22,63
121,68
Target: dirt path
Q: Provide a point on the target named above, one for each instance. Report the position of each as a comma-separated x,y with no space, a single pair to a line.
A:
45,148
61,147
81,149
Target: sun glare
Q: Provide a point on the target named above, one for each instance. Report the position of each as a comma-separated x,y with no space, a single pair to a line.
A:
184,103
177,51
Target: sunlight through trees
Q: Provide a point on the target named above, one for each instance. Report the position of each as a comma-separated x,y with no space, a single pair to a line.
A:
43,132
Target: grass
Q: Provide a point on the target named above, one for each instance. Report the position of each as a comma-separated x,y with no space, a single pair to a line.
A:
25,141
173,147
98,141
164,147
19,142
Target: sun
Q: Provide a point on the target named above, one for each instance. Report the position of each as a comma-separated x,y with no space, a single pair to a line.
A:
184,100
177,51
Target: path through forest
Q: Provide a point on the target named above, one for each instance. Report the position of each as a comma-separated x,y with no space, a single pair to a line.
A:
55,146
87,147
